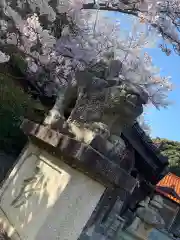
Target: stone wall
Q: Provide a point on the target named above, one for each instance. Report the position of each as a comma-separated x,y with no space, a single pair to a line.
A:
154,235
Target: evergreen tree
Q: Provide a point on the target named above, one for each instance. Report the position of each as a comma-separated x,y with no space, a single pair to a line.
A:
14,105
171,149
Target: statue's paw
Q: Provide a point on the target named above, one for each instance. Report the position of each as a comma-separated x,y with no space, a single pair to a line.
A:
101,129
57,122
53,117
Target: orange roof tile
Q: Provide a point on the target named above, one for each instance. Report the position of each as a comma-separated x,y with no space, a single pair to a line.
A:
169,181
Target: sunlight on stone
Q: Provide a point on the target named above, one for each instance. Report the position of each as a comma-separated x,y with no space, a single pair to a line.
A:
82,134
53,189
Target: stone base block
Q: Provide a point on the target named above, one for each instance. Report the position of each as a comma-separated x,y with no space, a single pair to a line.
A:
44,198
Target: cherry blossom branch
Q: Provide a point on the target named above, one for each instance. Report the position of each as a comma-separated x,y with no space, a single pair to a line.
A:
135,12
114,8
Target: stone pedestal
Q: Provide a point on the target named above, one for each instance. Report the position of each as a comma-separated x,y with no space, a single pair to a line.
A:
55,186
46,199
139,230
147,218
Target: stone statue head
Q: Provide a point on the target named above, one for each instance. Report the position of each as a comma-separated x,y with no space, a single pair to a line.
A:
126,102
108,101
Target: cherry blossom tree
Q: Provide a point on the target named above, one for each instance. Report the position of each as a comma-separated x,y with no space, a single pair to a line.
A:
48,41
144,124
162,15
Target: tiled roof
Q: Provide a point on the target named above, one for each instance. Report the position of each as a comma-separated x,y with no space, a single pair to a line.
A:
169,186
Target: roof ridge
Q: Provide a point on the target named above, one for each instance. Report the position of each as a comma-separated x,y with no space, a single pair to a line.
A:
172,174
170,181
169,175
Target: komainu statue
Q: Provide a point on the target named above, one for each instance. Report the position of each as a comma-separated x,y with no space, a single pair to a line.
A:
104,104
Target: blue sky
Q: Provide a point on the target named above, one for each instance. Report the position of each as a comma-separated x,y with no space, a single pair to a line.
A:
164,123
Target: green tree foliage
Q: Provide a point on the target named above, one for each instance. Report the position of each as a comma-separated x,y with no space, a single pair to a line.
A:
171,149
14,105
